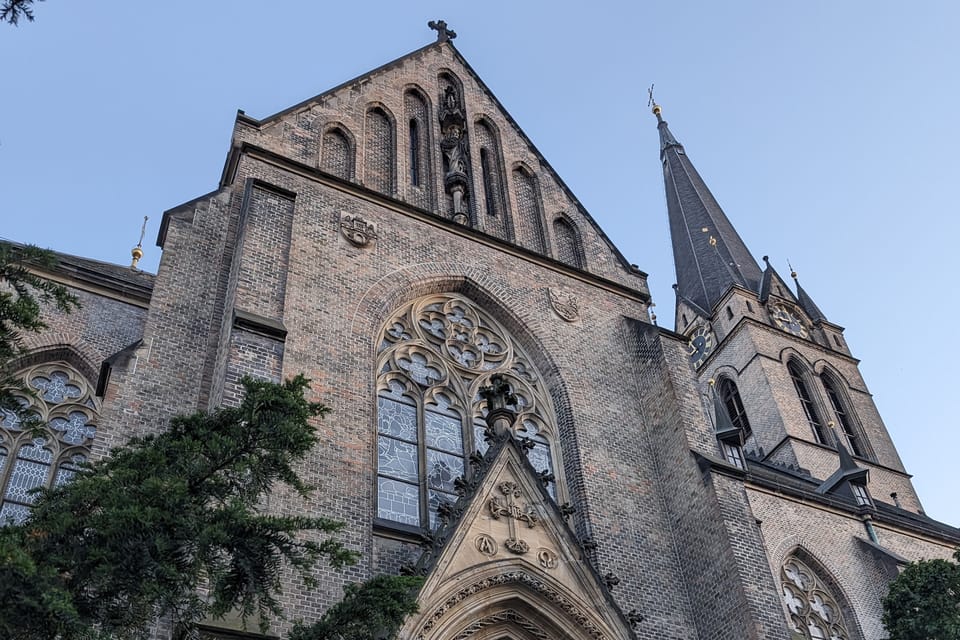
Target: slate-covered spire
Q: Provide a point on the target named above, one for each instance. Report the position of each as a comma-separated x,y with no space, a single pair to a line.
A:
708,253
809,306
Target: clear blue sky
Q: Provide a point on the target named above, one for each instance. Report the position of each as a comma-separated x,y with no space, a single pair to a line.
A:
827,131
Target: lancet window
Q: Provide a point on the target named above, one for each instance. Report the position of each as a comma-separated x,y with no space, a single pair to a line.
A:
45,444
336,153
419,173
378,157
529,218
730,397
435,354
567,243
845,418
497,220
814,611
806,399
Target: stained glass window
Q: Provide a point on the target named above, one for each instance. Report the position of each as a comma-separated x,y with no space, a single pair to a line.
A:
64,407
435,355
813,610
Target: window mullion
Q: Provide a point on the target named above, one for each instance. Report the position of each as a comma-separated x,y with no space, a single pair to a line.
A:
422,464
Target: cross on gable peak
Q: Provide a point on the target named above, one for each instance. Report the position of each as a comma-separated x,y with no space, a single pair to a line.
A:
443,33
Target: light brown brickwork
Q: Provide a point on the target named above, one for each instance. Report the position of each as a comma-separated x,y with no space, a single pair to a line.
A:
260,278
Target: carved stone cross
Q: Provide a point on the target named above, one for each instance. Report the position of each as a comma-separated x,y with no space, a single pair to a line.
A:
443,34
508,508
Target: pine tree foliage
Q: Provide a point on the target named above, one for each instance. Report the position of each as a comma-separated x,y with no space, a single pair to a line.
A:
12,11
23,295
372,610
169,526
924,601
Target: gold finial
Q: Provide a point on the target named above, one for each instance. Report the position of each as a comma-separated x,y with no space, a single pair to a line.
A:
137,252
653,103
713,241
711,382
793,273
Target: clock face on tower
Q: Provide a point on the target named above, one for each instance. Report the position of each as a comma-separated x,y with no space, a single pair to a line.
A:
701,344
787,320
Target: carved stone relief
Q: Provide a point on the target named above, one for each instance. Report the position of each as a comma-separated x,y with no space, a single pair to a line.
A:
573,613
508,508
486,545
565,305
356,230
547,558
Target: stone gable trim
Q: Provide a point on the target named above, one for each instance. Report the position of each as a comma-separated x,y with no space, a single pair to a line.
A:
412,211
243,118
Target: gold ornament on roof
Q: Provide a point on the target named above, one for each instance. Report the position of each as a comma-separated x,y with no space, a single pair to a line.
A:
137,252
655,108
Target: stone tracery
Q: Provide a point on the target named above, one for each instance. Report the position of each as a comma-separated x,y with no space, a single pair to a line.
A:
65,407
814,613
435,354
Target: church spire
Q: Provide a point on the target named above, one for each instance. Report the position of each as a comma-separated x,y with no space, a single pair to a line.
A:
809,306
708,253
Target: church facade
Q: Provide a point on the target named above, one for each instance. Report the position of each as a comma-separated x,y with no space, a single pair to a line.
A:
507,420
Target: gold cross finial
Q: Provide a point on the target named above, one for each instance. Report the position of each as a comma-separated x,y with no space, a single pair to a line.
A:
137,252
653,103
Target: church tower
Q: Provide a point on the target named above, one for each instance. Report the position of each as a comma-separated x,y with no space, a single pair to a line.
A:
794,422
783,371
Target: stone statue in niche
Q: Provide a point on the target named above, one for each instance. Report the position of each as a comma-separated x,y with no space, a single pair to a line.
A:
455,152
565,305
356,230
453,149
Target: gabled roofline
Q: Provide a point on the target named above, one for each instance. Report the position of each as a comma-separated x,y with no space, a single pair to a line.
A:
131,286
281,161
248,120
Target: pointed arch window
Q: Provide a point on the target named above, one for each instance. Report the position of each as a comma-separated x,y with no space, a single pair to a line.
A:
806,400
378,155
814,611
435,355
730,396
419,170
497,220
336,153
845,417
529,216
63,405
414,153
568,243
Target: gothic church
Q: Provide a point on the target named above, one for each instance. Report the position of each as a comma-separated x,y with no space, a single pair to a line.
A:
507,421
